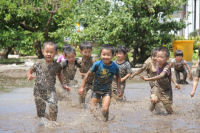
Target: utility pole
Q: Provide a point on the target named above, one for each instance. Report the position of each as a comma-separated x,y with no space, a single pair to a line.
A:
195,13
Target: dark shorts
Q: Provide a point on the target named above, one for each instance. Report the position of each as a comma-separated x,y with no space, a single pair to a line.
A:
100,95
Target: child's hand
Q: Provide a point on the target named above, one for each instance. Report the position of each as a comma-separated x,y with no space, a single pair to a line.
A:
66,88
144,78
119,92
177,86
30,76
190,77
192,93
81,91
122,80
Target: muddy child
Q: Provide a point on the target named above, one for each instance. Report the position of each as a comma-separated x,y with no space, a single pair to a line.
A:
180,66
44,88
196,77
85,63
104,70
163,80
124,71
69,66
150,67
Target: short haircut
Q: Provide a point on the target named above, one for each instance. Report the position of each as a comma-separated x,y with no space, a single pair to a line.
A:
65,46
164,49
85,45
178,53
154,51
107,47
51,44
121,49
69,50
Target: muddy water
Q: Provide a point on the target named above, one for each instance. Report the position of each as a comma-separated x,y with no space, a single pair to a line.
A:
18,114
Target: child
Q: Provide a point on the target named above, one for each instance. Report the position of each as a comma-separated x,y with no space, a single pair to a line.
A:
196,77
62,57
85,63
163,79
69,66
44,89
104,70
124,70
179,67
150,67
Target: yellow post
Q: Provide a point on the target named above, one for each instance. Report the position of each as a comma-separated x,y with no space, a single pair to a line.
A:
186,46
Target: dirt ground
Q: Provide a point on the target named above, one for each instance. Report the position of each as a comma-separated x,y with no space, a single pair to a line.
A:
18,113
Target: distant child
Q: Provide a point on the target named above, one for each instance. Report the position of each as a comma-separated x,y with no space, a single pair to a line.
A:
179,67
44,89
163,79
69,66
196,77
124,70
104,70
150,67
85,63
62,57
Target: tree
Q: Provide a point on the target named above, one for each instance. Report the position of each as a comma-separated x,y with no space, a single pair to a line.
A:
26,24
138,24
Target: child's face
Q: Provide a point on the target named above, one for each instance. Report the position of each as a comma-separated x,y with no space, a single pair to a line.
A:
178,58
106,56
120,56
86,53
154,58
161,58
49,53
71,57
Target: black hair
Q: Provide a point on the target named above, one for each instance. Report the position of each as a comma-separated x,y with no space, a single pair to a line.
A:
65,46
69,49
178,53
108,47
154,51
51,44
121,49
164,49
199,51
85,45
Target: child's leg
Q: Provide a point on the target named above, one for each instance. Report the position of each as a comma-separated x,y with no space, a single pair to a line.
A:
167,101
185,76
94,101
177,74
154,97
53,108
105,106
40,106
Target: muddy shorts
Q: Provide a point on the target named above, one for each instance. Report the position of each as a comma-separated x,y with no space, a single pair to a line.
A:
100,95
154,91
44,99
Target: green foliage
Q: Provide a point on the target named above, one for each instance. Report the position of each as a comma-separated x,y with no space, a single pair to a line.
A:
138,24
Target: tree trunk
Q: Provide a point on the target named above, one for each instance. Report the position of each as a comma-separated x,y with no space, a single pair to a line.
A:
5,54
38,49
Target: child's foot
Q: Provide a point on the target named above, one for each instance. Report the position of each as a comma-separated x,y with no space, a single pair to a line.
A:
152,107
105,116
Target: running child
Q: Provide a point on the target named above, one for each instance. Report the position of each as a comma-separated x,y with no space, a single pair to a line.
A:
85,63
163,79
180,67
104,70
124,71
44,88
62,57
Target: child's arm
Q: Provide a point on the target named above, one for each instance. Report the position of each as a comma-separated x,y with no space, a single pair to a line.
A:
29,74
125,77
190,73
118,85
82,89
60,77
139,71
195,83
176,85
162,74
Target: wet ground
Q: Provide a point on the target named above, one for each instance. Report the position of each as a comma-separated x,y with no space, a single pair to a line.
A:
18,114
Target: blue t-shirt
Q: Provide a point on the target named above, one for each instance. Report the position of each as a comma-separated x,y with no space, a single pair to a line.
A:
104,75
